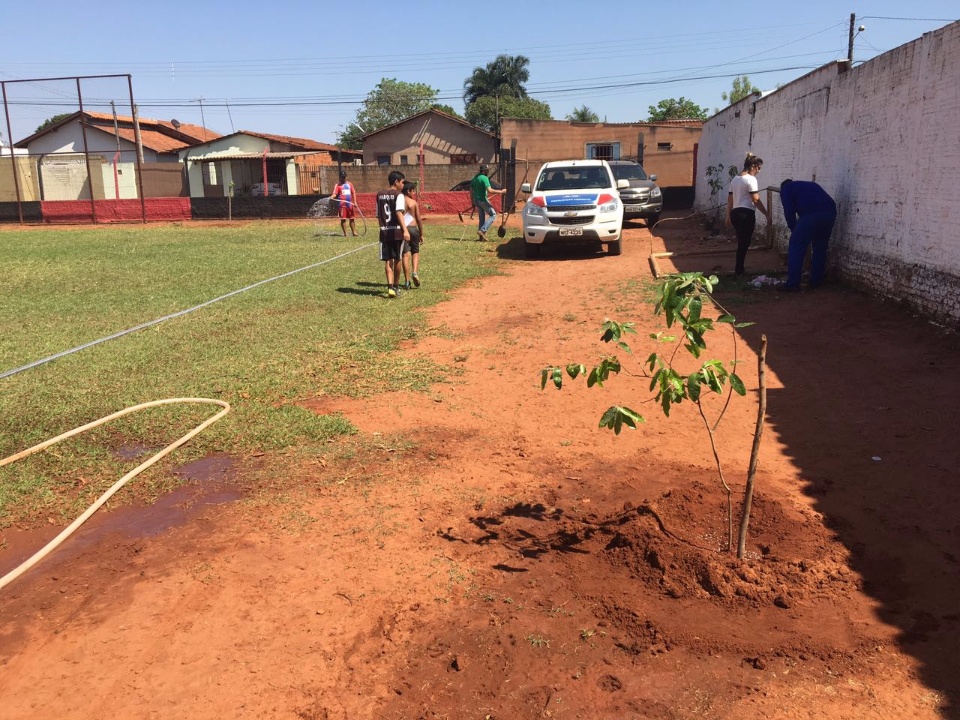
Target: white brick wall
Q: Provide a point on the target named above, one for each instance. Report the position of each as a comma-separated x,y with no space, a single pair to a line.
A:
884,139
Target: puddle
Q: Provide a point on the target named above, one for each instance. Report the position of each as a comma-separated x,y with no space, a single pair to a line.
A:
134,452
209,484
212,467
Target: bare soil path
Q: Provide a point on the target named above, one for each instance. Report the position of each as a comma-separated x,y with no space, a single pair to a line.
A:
485,551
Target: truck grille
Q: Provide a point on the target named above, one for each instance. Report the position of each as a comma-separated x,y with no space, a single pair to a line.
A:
570,208
581,220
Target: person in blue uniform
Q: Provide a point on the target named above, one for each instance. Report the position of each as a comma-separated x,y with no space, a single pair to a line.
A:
810,213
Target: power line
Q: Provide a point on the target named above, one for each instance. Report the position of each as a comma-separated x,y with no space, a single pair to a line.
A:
883,17
321,101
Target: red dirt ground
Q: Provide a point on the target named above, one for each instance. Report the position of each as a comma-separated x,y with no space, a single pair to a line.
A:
485,551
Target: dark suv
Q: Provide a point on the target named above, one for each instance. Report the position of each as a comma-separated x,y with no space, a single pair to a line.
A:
643,198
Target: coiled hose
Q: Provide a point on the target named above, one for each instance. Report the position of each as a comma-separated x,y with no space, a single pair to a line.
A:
68,531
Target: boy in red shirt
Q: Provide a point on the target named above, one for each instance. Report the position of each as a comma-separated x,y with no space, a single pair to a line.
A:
345,194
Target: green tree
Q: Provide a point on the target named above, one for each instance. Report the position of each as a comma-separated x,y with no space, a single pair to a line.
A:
446,109
741,88
487,111
389,102
583,114
676,109
503,77
50,122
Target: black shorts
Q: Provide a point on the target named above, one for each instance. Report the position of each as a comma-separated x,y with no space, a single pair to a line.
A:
390,249
414,245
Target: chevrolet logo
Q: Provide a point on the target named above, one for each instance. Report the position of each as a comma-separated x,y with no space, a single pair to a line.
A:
569,214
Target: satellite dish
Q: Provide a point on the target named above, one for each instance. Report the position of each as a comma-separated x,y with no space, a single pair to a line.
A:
175,123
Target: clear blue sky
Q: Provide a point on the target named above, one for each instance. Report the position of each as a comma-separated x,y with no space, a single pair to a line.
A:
303,68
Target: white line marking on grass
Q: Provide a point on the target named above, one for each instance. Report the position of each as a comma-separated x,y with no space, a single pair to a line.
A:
90,344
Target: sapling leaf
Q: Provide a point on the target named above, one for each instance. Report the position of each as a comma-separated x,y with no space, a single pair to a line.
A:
557,374
693,386
616,417
576,369
695,307
600,373
727,318
713,381
676,385
696,338
743,325
737,384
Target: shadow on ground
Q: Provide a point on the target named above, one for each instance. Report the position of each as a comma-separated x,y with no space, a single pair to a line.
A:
514,249
881,387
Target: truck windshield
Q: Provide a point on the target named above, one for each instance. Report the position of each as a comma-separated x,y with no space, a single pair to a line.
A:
629,172
574,177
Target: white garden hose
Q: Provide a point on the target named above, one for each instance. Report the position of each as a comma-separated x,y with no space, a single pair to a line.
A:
53,544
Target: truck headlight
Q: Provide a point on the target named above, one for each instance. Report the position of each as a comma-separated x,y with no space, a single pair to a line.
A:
532,210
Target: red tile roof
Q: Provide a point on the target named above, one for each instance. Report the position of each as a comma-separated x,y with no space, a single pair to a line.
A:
157,135
300,143
196,133
151,139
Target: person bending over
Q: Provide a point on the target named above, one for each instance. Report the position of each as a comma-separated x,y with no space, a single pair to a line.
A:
810,213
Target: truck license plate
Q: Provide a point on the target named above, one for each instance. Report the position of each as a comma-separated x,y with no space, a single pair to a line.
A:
567,232
633,208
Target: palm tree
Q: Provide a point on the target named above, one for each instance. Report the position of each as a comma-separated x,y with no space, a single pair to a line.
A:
583,115
504,77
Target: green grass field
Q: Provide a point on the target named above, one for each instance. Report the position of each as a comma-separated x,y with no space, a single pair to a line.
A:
325,330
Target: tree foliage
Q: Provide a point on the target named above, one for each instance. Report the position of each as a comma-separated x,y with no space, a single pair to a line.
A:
445,109
486,112
741,88
583,114
676,109
389,102
503,77
50,122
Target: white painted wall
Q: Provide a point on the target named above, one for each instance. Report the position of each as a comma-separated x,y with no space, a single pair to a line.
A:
125,177
883,138
69,138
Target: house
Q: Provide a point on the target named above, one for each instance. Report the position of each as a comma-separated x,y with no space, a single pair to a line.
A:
113,146
98,133
258,163
440,137
666,149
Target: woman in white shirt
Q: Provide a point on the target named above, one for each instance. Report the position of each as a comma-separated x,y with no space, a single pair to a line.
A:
743,197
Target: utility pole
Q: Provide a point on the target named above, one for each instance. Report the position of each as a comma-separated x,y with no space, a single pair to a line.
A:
136,135
853,21
204,121
116,129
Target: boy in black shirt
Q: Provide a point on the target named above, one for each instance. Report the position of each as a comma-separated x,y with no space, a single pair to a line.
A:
393,231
